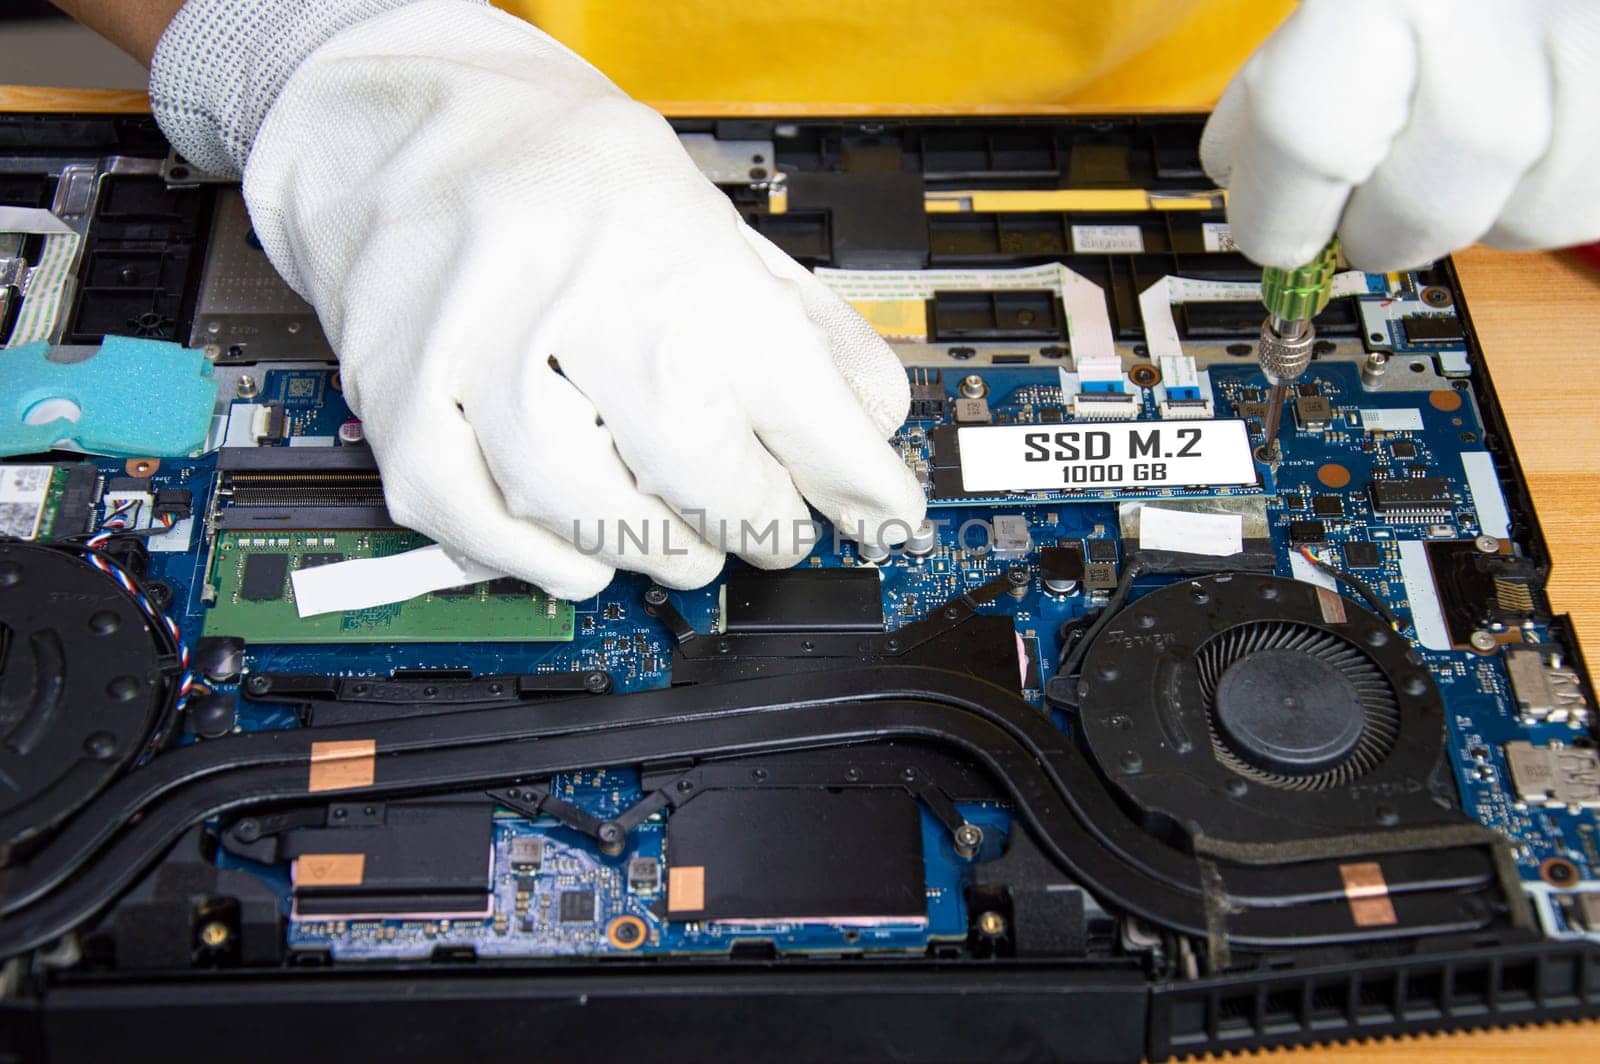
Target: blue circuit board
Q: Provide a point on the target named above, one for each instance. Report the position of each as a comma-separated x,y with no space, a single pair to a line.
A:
1322,478
526,915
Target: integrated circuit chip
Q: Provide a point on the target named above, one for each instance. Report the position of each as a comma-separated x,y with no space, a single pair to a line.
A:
312,560
1433,328
1361,555
263,576
1420,494
576,907
1306,532
1102,550
790,600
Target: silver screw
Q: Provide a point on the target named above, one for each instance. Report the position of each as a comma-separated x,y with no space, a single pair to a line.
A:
246,388
967,839
1373,368
1483,642
974,386
1487,544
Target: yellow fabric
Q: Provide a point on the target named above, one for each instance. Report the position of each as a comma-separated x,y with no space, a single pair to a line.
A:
1097,53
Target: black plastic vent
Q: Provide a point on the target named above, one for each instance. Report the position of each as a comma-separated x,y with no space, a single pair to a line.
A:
1481,987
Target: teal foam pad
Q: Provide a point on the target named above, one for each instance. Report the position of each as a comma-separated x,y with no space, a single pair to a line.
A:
134,398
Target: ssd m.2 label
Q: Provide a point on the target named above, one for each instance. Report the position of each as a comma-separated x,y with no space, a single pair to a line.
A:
1002,458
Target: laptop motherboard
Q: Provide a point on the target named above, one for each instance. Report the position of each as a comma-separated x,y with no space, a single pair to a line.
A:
1148,742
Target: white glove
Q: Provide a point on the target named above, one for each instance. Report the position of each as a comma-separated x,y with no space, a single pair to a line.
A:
1414,127
470,206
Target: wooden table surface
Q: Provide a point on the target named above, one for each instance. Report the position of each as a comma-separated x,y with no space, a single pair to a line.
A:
1538,319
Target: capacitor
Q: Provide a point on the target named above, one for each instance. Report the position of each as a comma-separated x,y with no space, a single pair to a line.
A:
211,716
923,540
1060,586
351,432
1061,569
219,658
874,553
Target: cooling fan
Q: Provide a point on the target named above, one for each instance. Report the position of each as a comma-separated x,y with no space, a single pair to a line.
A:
1295,707
81,684
1240,712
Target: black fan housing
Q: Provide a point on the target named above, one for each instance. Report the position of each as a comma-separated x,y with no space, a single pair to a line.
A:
1242,712
80,686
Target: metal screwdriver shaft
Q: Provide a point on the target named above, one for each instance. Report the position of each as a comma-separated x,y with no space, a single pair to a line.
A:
1293,298
1287,337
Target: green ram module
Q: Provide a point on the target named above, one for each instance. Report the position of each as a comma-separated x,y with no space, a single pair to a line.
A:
255,599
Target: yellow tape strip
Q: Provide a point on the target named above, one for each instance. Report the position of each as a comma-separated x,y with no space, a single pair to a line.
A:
1016,200
895,319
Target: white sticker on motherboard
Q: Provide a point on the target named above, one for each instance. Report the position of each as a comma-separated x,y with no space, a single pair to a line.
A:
1217,236
1487,498
1107,239
1003,458
1190,532
23,489
1427,614
1377,419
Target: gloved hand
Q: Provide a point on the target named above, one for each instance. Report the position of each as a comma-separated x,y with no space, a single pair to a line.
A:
1415,127
556,331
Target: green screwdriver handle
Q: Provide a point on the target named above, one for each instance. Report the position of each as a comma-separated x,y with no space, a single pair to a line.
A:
1301,293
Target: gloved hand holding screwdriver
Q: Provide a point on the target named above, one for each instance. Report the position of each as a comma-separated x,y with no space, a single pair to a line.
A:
554,328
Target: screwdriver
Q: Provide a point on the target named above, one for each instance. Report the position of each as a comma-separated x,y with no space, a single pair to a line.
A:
1292,297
